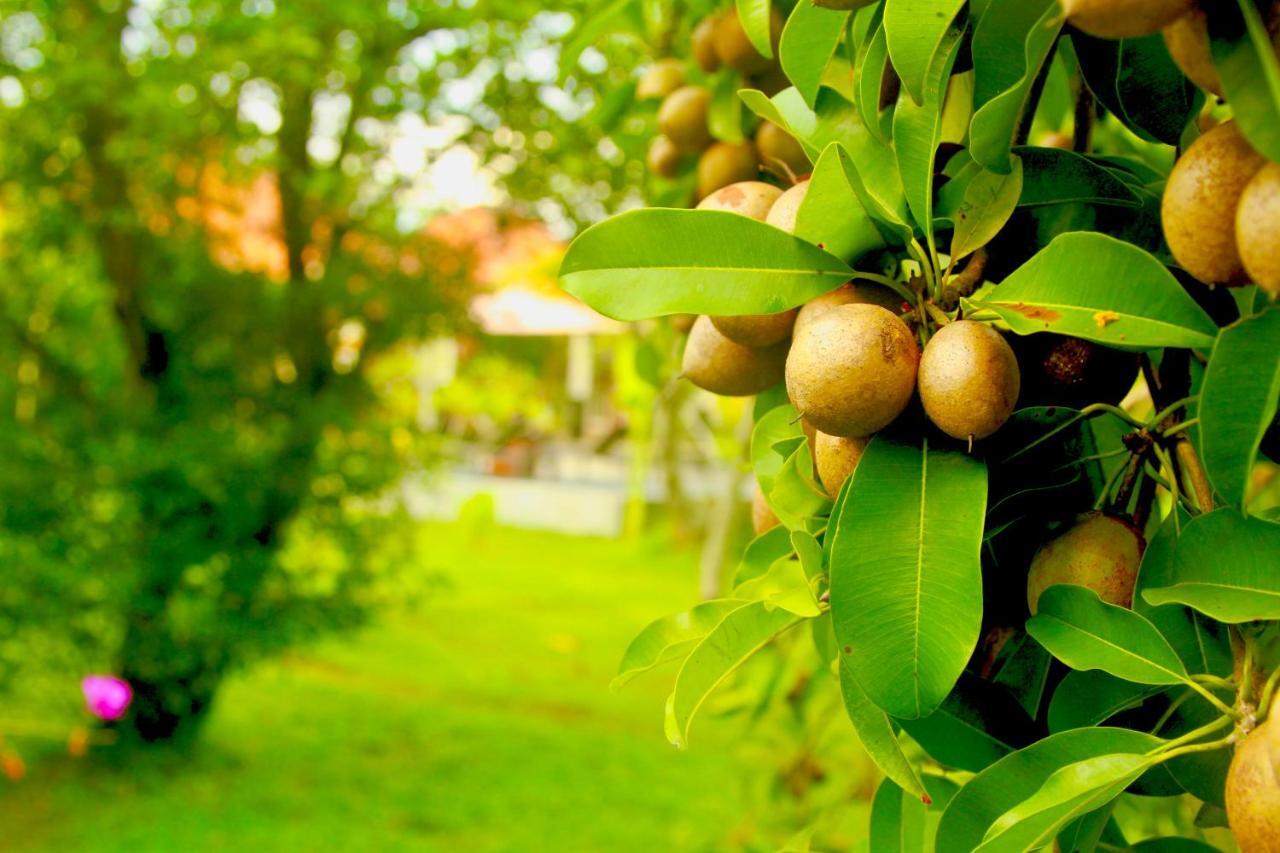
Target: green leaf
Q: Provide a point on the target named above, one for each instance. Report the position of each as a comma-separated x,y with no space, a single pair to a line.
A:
808,41
871,73
1010,44
897,820
1023,670
809,552
645,263
831,215
1084,632
1121,297
917,130
724,115
1091,697
784,586
1054,176
978,724
832,119
1225,566
1172,844
917,32
1069,792
989,201
754,15
879,189
762,552
876,733
794,495
1137,80
906,580
671,637
737,637
1246,62
1005,784
1238,401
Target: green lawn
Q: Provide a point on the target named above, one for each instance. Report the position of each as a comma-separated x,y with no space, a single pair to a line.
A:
481,722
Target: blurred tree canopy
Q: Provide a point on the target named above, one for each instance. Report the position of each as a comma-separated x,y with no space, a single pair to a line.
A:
212,255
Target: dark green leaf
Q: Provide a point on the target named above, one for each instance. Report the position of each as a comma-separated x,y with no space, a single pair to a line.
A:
1245,59
978,724
876,733
1089,698
897,820
1138,81
1054,176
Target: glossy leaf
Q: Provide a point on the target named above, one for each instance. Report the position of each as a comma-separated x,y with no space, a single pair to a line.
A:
1172,844
762,552
1245,58
1054,176
671,637
1084,632
737,637
831,215
1225,566
794,495
1091,697
831,119
871,71
906,584
784,586
876,733
878,188
1023,670
1137,80
808,41
1121,297
724,115
754,15
1010,43
645,263
897,820
1009,781
917,31
989,201
1238,401
978,724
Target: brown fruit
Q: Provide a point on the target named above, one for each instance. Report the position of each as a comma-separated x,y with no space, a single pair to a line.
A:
702,44
1188,41
1253,789
682,118
663,158
736,50
762,517
717,364
969,379
851,293
1200,200
660,79
835,459
1116,19
753,199
771,81
1056,139
1058,370
1099,551
1258,228
783,213
777,146
725,163
853,370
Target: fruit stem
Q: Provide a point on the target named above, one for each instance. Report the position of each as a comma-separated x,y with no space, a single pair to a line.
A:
908,295
1268,693
1168,411
1177,428
1209,728
1213,700
936,314
1087,412
1208,746
926,266
1171,710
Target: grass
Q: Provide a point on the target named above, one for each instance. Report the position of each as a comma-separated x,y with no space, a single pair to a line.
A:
480,722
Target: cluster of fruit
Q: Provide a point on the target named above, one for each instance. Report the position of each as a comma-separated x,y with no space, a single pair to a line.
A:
683,116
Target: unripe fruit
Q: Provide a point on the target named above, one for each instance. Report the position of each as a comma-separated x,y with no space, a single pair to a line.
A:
1253,789
835,458
969,380
736,50
1117,19
753,199
663,158
1258,228
702,44
1099,551
1188,42
762,517
777,146
660,79
1063,371
853,370
783,213
725,163
850,293
717,364
1200,200
682,118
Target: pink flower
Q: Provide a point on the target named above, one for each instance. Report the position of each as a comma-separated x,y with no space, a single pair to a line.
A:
106,696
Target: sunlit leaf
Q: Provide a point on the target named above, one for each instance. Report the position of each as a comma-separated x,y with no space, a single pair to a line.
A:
876,733
808,41
671,637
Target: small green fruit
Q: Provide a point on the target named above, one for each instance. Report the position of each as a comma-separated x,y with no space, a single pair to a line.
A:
969,380
717,364
682,118
1099,551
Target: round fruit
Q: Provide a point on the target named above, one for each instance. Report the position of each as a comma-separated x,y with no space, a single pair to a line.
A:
660,79
1188,42
762,517
736,50
1258,228
1063,371
703,44
777,146
1099,551
748,198
717,364
969,380
663,158
850,293
725,163
1199,205
1253,789
835,458
783,213
853,370
1117,19
682,118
